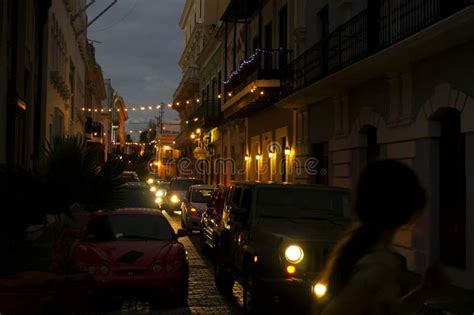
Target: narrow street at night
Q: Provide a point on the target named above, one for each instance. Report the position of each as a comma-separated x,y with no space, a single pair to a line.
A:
307,157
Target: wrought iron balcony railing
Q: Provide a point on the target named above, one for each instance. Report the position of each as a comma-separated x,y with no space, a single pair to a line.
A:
383,24
207,114
264,64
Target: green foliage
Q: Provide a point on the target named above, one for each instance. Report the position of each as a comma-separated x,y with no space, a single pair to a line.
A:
69,172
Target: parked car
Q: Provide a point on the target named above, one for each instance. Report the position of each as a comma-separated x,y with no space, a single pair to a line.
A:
130,176
214,218
177,192
133,251
194,205
135,195
277,240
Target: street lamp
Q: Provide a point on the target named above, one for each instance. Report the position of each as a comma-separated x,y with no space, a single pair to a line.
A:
258,157
198,131
287,151
193,136
271,154
247,158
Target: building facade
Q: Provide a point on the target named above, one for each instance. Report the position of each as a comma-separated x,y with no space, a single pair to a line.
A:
313,91
377,81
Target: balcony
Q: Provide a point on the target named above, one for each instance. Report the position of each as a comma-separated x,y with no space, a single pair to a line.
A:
241,9
207,115
372,31
255,84
94,131
189,84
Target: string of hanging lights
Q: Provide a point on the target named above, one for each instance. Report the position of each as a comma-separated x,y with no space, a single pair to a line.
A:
129,108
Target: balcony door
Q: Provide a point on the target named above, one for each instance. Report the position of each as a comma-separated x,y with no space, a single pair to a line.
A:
267,57
283,36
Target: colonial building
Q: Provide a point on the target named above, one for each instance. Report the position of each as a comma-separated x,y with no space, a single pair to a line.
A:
66,59
196,98
391,80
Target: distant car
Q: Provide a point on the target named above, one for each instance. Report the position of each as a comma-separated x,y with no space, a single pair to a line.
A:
194,205
160,192
214,218
177,192
133,251
135,195
129,176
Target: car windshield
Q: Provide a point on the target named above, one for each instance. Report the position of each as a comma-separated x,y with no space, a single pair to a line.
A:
201,195
107,228
301,203
135,197
184,184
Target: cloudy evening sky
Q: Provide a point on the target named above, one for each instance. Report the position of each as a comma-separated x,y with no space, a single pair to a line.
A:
140,47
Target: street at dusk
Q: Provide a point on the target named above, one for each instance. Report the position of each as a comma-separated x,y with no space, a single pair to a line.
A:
237,157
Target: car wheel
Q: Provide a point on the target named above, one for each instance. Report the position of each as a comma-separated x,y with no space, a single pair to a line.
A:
253,299
224,281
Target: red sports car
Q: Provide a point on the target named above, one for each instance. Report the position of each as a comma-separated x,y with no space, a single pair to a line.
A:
133,249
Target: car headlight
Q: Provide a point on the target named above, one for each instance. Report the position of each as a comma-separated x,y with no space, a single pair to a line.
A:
159,193
320,289
294,254
174,199
150,181
104,269
159,200
156,268
153,189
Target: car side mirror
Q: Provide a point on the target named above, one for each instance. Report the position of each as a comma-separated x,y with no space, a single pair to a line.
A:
182,233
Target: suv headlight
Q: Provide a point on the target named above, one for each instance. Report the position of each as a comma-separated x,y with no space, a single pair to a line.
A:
174,199
159,193
294,254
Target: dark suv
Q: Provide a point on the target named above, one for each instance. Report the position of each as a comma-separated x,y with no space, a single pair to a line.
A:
277,240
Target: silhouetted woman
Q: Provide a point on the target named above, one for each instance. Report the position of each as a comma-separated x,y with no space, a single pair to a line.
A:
361,275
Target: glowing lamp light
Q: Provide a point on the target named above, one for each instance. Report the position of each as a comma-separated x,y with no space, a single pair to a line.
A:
198,131
291,269
261,92
153,189
187,102
187,122
170,105
196,119
150,180
271,154
247,158
320,290
193,136
255,259
258,157
158,200
230,94
287,151
294,254
198,100
219,96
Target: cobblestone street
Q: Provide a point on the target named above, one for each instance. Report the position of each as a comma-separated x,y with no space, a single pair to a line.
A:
203,295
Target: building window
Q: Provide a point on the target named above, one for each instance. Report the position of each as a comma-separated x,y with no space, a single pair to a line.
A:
452,147
373,148
321,153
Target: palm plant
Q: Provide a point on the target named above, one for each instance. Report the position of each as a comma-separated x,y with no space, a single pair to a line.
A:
69,173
